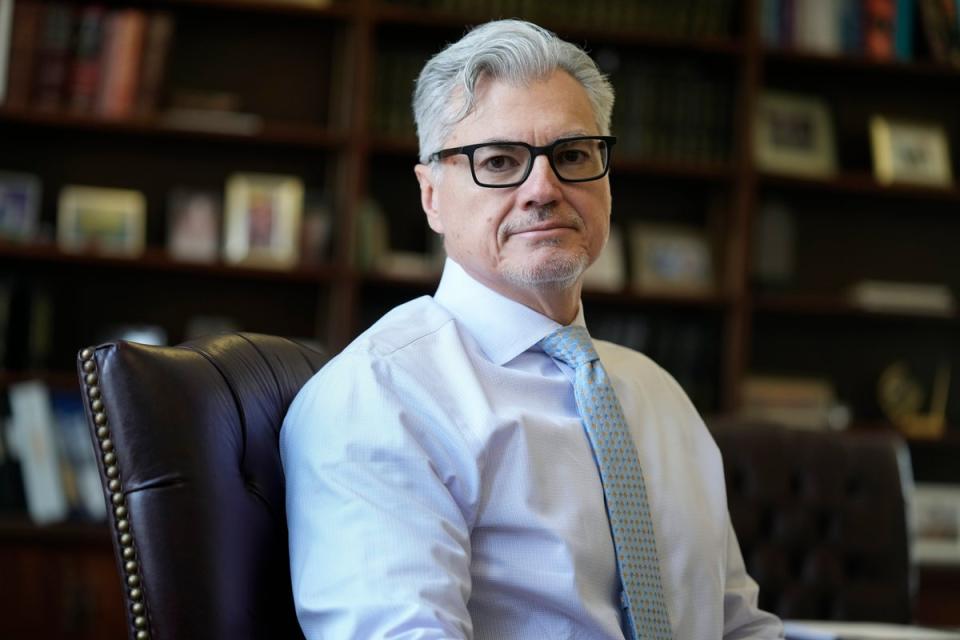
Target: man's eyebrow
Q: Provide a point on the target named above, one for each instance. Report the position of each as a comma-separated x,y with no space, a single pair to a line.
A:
566,134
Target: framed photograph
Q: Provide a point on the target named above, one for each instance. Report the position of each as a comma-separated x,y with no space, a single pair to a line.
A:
262,226
671,258
608,272
910,152
193,225
935,512
794,134
108,221
19,206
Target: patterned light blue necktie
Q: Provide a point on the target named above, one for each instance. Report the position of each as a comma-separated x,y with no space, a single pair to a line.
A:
623,487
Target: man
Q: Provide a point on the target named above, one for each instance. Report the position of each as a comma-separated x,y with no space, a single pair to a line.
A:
451,474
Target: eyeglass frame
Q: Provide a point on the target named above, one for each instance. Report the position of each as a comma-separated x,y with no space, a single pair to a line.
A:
545,150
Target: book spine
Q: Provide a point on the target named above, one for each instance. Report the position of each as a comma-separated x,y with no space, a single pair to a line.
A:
156,49
124,44
903,30
53,61
6,44
27,16
85,75
878,29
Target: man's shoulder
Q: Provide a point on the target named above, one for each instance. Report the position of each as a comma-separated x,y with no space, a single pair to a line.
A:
620,357
403,328
398,349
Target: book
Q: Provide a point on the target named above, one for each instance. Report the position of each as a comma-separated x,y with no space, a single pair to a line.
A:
794,401
879,29
51,72
85,67
153,63
27,20
122,48
33,440
903,297
6,43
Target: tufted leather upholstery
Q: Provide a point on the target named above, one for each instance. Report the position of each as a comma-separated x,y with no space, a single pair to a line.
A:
821,518
188,441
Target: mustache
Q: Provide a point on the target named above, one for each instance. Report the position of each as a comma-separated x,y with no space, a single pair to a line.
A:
537,217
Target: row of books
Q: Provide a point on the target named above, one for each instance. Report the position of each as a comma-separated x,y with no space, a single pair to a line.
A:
691,18
664,110
686,347
83,58
671,110
878,29
47,457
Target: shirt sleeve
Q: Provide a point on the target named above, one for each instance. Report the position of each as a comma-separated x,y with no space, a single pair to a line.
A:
379,541
742,619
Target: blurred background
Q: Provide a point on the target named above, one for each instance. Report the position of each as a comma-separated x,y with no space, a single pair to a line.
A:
784,236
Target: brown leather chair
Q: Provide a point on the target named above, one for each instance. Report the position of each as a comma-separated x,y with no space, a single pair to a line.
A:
188,452
822,519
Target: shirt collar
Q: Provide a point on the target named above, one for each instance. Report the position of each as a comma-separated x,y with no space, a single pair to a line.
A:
502,327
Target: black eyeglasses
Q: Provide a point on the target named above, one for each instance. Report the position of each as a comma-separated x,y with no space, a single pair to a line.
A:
507,164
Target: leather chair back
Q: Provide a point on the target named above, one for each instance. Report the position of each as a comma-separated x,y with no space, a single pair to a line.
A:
822,519
187,439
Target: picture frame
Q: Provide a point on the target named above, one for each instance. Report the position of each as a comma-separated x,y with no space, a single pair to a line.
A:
20,195
193,224
262,222
935,520
910,152
102,220
794,135
671,259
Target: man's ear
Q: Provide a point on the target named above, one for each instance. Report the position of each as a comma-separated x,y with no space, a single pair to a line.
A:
428,196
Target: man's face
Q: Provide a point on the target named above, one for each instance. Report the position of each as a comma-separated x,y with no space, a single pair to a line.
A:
541,234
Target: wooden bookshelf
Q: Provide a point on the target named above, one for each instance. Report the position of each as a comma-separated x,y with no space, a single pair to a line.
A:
312,73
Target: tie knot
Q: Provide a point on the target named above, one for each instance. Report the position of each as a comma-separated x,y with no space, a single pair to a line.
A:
571,345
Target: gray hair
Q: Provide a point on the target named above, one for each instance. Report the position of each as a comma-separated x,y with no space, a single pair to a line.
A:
514,51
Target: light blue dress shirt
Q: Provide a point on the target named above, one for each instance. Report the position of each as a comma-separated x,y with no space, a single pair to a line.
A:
440,485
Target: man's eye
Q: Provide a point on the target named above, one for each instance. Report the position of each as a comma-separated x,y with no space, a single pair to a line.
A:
499,163
572,156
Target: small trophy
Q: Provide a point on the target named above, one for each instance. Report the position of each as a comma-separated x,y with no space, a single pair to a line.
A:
902,398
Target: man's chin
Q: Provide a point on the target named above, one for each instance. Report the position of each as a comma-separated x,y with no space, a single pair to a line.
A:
556,272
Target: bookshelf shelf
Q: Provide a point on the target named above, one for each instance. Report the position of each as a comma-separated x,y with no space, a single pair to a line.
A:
394,14
710,172
66,380
834,305
297,8
861,184
272,133
786,58
157,260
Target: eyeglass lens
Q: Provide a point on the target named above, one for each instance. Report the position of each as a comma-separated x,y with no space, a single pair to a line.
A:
499,164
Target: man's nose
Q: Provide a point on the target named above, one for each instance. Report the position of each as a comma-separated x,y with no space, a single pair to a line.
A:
542,186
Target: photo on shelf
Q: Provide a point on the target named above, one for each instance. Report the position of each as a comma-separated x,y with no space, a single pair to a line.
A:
262,226
935,512
193,224
794,135
19,206
316,234
608,273
906,152
670,258
101,220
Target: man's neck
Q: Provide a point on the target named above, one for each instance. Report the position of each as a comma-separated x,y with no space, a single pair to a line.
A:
560,304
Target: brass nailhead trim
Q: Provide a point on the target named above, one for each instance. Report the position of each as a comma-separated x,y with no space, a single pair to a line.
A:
117,498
